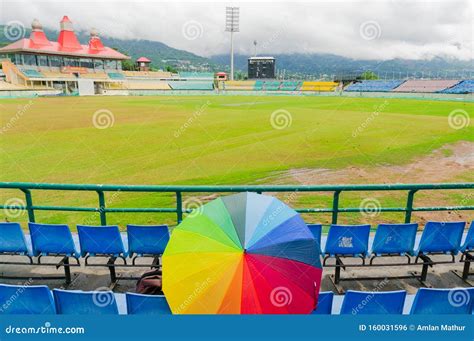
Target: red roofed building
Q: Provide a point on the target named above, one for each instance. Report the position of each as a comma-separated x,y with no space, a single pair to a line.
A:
37,60
143,64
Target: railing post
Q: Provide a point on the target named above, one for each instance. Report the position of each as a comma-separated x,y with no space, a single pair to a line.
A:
29,205
409,207
335,206
102,212
179,207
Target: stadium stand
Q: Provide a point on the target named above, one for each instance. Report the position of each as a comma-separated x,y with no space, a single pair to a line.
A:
239,85
374,86
57,75
115,75
259,85
39,300
199,75
147,85
148,74
290,85
94,75
426,86
318,86
271,85
9,86
373,303
464,87
32,73
191,85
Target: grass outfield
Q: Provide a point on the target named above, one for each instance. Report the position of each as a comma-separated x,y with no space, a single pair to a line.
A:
206,140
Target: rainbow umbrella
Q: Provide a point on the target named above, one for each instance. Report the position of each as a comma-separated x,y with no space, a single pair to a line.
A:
242,254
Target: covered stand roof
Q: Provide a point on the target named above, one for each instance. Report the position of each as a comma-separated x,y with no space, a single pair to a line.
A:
143,60
67,44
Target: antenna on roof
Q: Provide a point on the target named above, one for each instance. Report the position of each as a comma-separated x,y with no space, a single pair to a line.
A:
255,48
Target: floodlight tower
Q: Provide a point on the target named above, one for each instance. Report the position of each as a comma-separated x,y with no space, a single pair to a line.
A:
232,25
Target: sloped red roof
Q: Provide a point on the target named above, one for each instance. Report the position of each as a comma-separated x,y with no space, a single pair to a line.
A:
27,45
143,60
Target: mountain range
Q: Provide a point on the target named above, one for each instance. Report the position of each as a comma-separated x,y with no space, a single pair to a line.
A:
294,65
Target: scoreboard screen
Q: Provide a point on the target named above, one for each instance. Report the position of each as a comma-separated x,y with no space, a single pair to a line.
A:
261,67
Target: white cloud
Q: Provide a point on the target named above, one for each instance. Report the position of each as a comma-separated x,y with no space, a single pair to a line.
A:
404,29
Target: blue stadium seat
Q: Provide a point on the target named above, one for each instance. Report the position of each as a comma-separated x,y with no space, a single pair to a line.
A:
72,302
348,240
316,231
147,240
468,244
324,303
373,303
138,304
17,299
394,239
100,240
464,87
49,240
443,301
12,239
441,237
374,85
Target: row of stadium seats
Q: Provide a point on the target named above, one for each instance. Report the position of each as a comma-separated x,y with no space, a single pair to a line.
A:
437,238
427,86
40,300
263,85
239,85
148,74
464,87
373,85
191,85
413,86
319,86
352,241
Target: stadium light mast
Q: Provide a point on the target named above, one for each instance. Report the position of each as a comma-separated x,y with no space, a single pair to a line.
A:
232,25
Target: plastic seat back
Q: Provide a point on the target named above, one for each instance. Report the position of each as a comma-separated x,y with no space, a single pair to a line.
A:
316,231
348,240
138,304
12,239
443,301
17,299
394,238
51,239
100,240
373,303
441,237
469,242
324,306
147,239
72,302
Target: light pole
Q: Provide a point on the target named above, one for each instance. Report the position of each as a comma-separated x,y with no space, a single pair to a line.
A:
232,25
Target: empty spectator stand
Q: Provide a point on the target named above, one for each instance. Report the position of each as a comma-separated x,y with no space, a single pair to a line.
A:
373,86
425,86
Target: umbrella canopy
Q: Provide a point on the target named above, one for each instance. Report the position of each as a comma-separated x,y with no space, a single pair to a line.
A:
242,254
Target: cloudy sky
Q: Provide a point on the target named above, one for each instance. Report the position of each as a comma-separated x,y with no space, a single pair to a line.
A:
381,29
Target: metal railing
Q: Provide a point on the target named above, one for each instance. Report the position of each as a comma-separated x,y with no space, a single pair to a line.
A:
335,209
